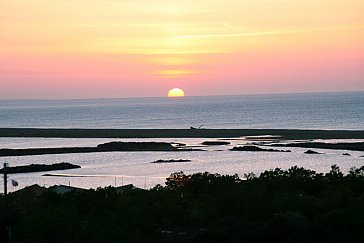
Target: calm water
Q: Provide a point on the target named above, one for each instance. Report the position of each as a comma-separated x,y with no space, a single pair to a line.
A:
120,168
311,111
319,111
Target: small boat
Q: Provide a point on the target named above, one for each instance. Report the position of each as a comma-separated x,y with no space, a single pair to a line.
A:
196,128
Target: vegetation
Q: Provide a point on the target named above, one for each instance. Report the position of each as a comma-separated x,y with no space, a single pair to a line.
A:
356,146
136,146
171,160
252,148
212,143
39,167
294,205
105,147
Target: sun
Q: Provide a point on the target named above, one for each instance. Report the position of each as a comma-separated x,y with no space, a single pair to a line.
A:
176,92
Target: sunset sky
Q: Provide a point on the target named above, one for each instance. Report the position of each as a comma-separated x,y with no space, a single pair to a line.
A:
117,48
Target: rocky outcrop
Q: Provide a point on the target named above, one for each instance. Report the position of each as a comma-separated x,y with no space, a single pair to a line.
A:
311,152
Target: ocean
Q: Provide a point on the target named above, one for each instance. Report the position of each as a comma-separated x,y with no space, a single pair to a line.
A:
299,111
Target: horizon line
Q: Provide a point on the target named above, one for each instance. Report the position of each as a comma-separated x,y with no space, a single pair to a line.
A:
187,96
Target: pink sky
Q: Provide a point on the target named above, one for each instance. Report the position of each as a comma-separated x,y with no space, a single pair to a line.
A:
94,48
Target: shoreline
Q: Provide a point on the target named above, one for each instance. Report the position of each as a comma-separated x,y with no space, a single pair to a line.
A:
288,134
105,147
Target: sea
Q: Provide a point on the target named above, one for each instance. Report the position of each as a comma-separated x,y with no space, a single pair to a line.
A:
342,110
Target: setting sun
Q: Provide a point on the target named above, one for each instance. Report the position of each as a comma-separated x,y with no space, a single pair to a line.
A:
176,92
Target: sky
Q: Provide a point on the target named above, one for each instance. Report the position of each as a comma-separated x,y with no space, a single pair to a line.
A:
117,48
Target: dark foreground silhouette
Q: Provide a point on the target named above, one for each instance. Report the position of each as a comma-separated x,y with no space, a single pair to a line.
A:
295,205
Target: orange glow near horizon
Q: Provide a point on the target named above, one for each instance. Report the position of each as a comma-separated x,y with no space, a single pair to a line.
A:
62,49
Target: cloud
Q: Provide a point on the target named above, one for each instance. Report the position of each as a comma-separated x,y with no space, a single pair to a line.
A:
267,33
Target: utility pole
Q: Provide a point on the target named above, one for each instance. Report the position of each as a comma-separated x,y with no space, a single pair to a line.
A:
5,180
9,234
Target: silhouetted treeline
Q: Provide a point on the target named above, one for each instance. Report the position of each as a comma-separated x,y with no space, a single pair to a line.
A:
295,205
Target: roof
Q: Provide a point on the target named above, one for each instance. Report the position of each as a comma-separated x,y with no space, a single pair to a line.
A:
61,189
35,190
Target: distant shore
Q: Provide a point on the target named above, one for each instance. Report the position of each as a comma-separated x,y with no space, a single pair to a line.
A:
290,134
105,147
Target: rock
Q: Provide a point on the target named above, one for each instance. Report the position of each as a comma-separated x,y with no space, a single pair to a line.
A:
311,152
